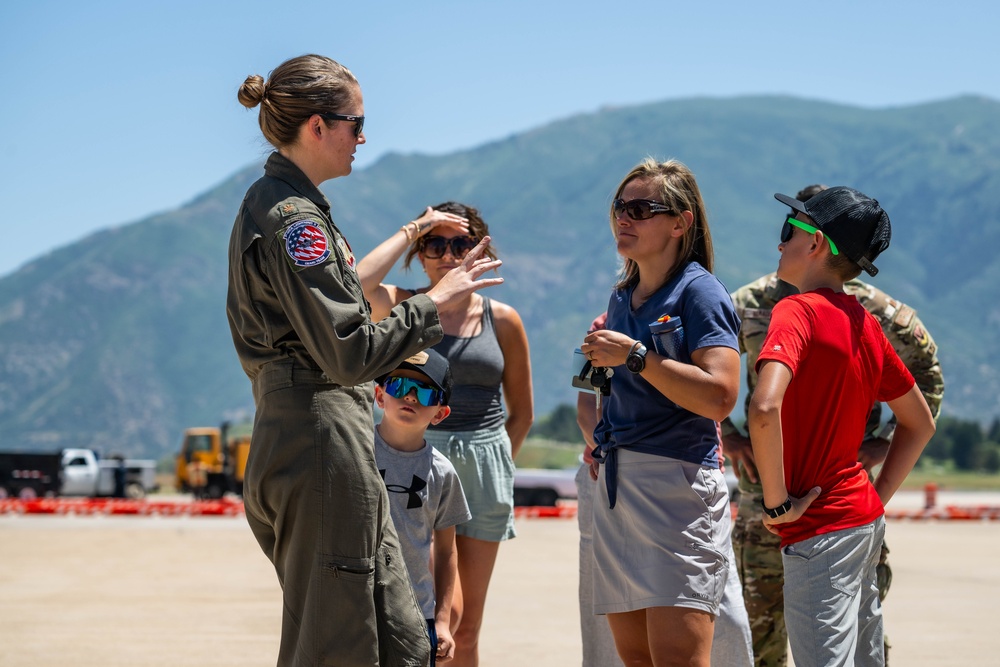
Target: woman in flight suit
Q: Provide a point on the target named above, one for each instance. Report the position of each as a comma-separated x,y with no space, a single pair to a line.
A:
302,329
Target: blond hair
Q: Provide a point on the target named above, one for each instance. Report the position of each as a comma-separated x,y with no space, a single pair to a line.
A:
678,190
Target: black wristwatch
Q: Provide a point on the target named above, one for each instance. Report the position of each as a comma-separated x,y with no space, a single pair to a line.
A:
777,511
636,359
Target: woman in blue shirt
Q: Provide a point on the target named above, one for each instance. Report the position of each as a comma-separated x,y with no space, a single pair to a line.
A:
660,529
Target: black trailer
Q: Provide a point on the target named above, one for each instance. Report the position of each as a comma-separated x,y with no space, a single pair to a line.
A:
29,475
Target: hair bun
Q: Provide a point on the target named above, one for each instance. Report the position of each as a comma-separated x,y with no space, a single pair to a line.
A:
252,91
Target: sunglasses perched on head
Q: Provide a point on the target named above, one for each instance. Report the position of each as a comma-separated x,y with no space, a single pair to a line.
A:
399,387
792,221
359,121
433,247
640,209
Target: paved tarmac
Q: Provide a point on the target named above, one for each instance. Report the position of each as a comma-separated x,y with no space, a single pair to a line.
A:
187,591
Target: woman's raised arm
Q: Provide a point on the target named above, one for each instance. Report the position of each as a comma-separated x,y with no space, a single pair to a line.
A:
375,266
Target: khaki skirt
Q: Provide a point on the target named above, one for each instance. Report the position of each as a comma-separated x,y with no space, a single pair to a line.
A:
663,543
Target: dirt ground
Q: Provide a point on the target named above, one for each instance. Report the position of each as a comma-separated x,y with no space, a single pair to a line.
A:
176,591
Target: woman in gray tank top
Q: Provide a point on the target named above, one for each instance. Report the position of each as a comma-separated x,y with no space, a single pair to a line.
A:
487,348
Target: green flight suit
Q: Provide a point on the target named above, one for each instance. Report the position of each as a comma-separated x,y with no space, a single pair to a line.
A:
313,495
757,550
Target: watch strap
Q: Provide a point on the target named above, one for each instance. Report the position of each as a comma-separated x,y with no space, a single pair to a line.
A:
775,512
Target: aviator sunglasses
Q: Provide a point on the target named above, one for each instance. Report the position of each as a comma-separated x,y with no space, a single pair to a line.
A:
640,209
399,387
433,247
359,121
792,221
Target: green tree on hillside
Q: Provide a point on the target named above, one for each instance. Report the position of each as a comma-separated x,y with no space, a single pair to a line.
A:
966,444
559,425
993,434
991,457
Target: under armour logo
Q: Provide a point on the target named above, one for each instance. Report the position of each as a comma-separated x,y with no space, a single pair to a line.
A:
415,487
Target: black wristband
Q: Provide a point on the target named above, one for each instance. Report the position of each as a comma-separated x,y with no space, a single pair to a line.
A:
774,513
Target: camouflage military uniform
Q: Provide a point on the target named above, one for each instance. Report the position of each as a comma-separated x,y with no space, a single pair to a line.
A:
758,550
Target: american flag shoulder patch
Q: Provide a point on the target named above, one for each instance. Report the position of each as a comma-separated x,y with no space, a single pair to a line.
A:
306,243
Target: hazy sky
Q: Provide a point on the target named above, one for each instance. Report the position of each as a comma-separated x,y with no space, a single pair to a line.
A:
112,111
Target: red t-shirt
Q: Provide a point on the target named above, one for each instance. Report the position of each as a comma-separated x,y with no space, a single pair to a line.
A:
841,364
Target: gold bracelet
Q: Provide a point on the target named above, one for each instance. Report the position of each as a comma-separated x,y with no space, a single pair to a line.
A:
406,230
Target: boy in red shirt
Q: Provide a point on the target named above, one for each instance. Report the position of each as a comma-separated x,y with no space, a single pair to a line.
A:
824,363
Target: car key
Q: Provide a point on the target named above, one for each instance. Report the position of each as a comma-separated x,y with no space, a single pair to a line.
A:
600,380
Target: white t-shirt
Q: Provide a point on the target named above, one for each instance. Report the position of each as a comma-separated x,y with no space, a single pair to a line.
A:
425,495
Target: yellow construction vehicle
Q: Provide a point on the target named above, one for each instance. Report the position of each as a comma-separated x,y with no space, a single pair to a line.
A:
211,461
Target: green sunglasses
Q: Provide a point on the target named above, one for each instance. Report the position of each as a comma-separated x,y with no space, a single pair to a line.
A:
790,221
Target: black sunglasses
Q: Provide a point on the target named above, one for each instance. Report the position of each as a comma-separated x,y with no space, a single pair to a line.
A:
640,209
433,247
791,222
786,231
359,121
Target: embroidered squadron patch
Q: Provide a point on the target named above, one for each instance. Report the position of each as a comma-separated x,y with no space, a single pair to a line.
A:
345,248
306,243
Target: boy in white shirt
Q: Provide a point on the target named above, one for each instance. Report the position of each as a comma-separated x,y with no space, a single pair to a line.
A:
425,495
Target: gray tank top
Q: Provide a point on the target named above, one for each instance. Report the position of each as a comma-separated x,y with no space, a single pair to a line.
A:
476,370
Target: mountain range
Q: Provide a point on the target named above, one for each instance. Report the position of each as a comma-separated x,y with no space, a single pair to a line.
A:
120,341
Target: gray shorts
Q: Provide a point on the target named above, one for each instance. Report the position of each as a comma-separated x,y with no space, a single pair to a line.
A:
484,464
665,542
832,608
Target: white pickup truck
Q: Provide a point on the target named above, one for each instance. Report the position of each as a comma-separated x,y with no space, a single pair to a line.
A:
73,472
86,475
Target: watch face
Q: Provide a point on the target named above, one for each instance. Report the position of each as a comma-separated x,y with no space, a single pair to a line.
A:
635,362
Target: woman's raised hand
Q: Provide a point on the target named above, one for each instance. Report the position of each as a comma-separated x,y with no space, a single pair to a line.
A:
456,285
433,219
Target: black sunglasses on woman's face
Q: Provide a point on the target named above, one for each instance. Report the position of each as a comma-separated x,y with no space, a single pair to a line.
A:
640,209
433,247
359,121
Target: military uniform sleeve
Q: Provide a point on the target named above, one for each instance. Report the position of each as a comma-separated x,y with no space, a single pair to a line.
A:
918,352
915,347
727,426
755,316
321,295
